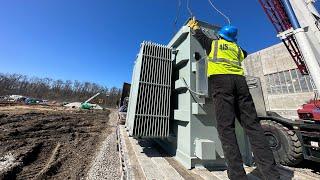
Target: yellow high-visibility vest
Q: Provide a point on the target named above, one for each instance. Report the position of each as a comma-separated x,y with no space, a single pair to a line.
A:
225,58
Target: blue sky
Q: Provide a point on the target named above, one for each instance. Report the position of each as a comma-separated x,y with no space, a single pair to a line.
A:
98,40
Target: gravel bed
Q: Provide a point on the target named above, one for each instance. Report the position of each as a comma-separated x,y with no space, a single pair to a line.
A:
106,164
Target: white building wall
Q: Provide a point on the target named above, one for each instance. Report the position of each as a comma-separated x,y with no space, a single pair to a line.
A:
271,63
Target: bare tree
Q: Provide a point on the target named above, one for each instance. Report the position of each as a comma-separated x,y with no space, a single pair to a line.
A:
58,90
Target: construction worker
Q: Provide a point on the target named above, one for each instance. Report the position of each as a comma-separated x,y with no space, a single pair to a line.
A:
232,99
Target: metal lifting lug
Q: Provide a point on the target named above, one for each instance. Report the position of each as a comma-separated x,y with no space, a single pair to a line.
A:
197,56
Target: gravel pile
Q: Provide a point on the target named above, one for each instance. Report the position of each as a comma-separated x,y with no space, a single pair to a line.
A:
106,164
6,161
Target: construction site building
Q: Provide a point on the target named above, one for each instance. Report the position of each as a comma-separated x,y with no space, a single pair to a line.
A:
284,88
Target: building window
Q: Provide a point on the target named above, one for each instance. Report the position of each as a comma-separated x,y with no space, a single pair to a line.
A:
290,81
295,80
303,82
272,84
277,83
283,83
310,83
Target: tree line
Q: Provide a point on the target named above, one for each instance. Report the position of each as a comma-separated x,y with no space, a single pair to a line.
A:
57,90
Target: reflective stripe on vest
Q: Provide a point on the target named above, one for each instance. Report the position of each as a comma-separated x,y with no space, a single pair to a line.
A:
216,59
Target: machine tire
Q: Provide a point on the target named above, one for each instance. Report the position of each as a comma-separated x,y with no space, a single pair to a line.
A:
284,143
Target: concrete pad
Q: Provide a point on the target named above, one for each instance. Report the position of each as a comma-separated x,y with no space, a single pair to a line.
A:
153,165
131,165
149,161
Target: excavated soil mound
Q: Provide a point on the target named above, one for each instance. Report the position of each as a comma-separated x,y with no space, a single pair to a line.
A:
44,143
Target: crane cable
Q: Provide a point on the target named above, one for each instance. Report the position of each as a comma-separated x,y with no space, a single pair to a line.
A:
215,8
177,16
189,9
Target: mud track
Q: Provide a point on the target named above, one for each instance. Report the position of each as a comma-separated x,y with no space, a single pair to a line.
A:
49,143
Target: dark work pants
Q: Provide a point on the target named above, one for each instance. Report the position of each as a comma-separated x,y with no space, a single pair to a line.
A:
231,98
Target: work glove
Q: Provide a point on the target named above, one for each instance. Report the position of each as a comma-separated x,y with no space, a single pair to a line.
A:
193,24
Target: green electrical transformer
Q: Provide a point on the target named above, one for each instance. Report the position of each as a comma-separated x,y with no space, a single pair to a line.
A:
170,101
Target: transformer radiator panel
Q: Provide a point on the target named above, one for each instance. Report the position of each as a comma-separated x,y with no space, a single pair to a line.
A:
149,108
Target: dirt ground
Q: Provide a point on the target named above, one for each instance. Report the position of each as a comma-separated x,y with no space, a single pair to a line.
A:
42,142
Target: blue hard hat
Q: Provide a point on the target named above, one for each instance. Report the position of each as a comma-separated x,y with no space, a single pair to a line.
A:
229,33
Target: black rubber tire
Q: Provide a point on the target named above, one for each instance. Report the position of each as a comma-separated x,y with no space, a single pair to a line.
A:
285,144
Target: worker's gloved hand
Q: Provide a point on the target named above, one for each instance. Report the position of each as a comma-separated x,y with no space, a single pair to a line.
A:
193,24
